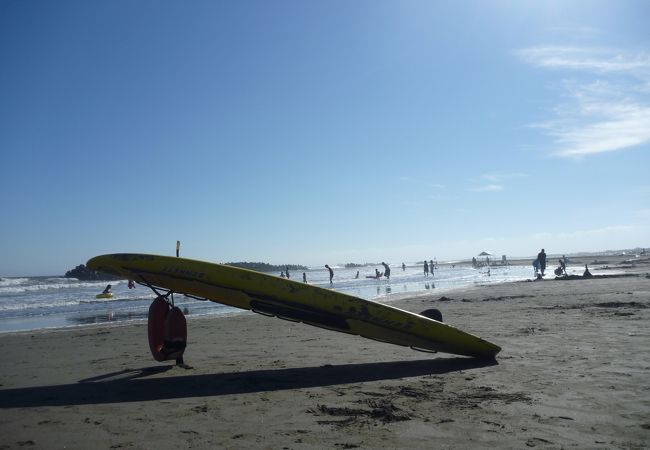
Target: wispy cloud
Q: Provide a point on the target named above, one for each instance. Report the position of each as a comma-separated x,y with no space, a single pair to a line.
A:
602,60
608,111
494,182
596,124
497,177
423,183
488,188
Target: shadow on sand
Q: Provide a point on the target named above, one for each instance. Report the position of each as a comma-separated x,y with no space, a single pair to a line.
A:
134,386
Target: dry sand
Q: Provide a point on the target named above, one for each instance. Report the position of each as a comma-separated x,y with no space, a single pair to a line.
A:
574,372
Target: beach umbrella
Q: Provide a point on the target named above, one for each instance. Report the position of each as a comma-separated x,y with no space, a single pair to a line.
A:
485,255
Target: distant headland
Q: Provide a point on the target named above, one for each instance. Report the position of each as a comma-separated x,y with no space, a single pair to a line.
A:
81,272
265,267
352,265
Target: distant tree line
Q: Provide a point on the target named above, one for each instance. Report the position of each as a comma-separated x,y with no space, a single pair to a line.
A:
353,265
265,267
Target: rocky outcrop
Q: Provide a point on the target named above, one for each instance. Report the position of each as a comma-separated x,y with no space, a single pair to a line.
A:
81,272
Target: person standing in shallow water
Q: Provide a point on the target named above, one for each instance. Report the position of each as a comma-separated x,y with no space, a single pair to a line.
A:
541,257
331,272
426,268
386,270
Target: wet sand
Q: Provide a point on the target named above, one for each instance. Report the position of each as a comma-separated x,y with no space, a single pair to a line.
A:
573,373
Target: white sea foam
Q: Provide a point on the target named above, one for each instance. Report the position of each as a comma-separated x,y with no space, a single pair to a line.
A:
46,304
59,284
12,281
39,302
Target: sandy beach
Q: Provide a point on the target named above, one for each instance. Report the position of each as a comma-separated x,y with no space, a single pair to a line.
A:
573,373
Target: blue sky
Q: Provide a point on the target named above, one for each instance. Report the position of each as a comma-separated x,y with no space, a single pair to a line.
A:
321,132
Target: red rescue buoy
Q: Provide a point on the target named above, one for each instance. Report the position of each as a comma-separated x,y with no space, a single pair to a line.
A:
167,329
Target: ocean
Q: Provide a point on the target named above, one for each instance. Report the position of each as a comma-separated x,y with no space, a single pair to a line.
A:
34,303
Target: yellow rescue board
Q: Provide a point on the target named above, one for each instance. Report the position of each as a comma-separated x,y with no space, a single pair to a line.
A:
286,299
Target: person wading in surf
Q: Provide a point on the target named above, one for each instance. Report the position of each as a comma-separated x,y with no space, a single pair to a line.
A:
541,257
386,270
331,272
